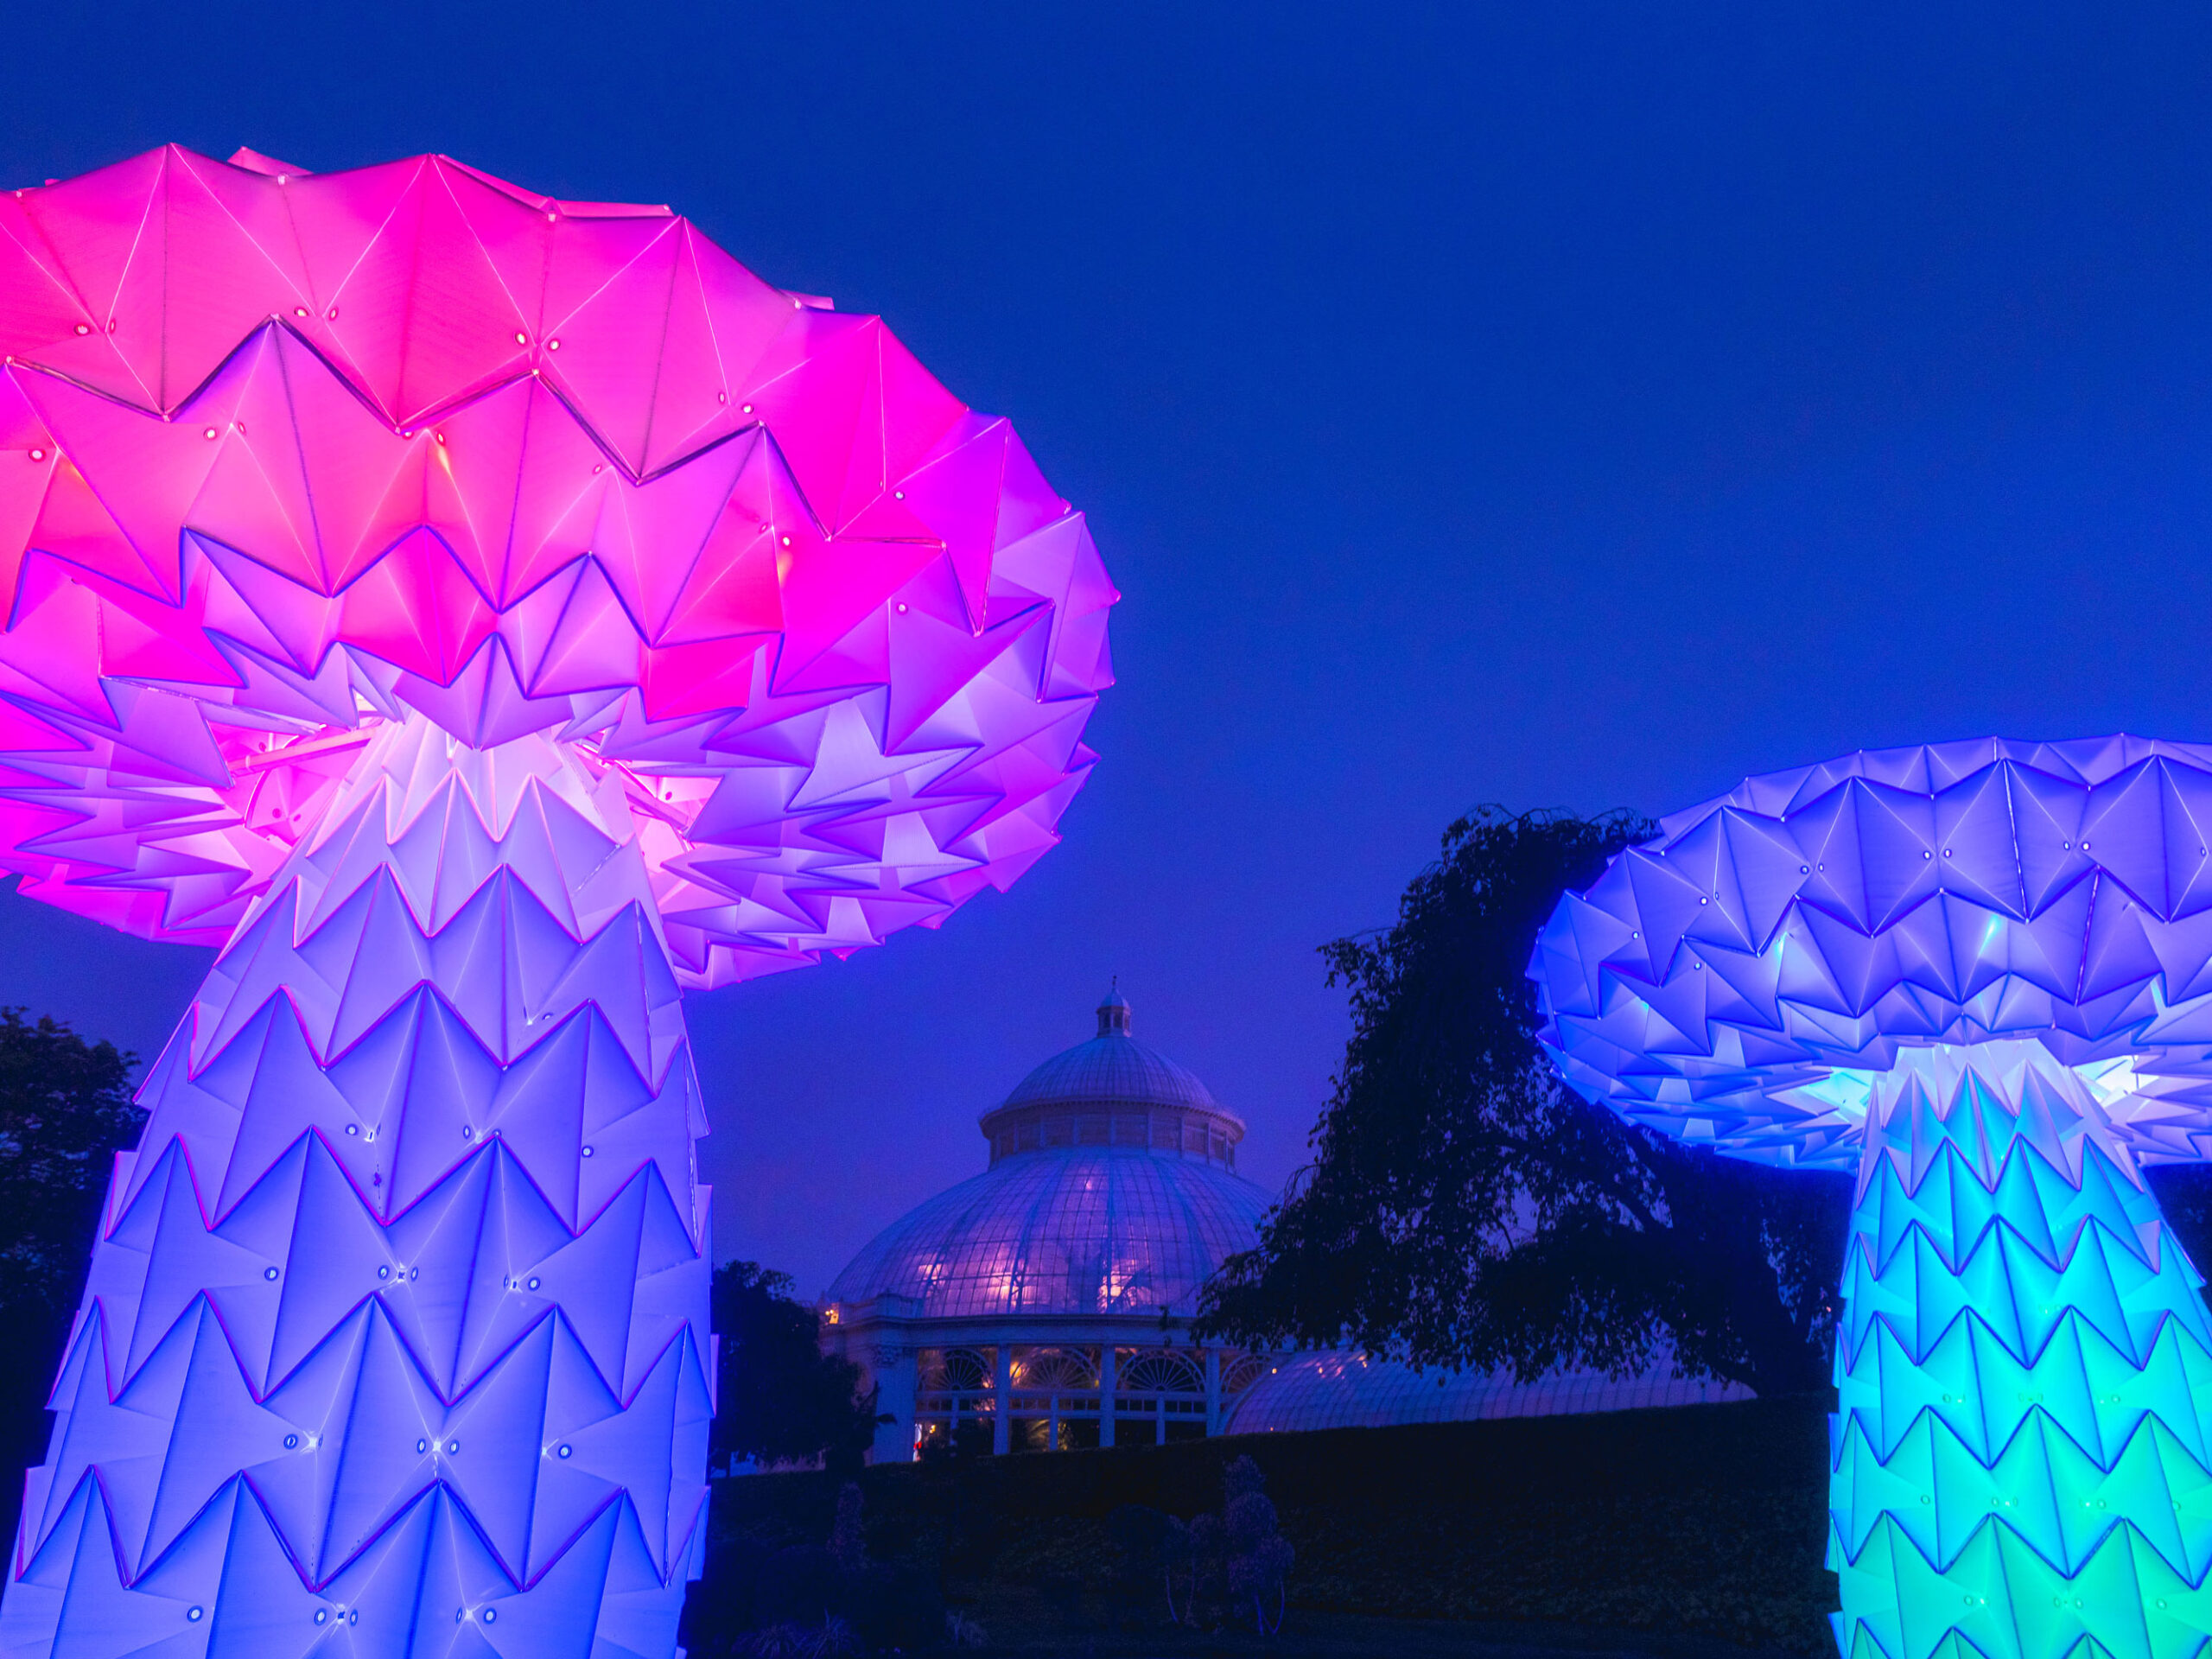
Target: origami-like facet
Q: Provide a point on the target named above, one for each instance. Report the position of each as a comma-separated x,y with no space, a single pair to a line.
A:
1980,976
483,616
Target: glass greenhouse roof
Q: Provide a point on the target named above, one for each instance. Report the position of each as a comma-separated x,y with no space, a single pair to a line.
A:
1336,1391
1077,1229
1114,1070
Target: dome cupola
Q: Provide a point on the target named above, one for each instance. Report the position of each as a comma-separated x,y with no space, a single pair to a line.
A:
1114,1091
1113,1014
1111,1190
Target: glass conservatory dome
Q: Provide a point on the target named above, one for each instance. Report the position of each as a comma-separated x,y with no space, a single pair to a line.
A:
1077,1229
1112,1069
1047,1303
1111,1190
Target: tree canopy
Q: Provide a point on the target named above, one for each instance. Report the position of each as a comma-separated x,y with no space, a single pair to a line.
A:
1463,1208
64,1111
781,1399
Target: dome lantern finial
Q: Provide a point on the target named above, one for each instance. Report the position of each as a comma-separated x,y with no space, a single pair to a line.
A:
1114,1012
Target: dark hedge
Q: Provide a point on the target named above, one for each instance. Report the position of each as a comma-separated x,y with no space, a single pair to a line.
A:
1705,1521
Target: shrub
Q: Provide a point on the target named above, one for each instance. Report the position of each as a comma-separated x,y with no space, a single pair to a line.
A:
1259,1556
788,1640
962,1632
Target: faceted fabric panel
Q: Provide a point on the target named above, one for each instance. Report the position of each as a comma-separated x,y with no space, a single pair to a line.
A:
1738,980
397,1321
481,615
1978,975
2021,1458
283,456
1074,1231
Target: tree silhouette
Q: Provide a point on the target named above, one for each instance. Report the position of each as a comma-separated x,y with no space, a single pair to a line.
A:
1463,1209
64,1111
781,1399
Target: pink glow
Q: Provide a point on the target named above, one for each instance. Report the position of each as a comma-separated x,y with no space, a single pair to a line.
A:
284,456
483,616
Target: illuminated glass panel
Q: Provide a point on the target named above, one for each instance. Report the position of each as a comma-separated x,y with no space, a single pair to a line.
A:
1080,1230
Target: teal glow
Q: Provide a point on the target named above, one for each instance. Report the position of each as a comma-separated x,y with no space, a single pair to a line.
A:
1980,976
2019,1457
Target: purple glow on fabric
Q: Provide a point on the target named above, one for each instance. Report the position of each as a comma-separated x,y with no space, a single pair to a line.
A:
1978,976
484,617
1825,919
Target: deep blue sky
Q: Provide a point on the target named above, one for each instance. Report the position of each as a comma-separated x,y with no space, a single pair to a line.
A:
1545,404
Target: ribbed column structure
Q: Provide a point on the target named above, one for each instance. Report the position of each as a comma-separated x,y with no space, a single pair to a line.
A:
2024,1367
394,1340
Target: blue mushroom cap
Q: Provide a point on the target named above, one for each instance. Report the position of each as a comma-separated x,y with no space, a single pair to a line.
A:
1736,982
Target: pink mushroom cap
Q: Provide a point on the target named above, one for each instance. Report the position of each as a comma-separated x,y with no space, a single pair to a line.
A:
285,454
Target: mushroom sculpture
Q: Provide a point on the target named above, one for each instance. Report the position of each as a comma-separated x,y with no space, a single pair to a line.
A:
483,617
1977,975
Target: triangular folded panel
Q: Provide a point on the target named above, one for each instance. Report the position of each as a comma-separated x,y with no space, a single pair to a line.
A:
482,617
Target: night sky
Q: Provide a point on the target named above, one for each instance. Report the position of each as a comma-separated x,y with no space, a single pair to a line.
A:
1551,406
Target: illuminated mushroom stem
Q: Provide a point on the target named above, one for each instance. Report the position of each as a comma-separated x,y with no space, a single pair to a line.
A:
398,1316
2024,1368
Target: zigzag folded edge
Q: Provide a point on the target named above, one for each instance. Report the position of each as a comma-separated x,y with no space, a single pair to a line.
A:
1698,984
2011,1179
93,1329
272,1012
634,1365
434,1206
1949,1168
2029,1456
644,588
77,308
688,1382
608,1579
1958,1252
1011,814
45,1503
2122,1599
1863,1644
1898,1288
332,1022
1998,1483
142,1198
2134,1345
